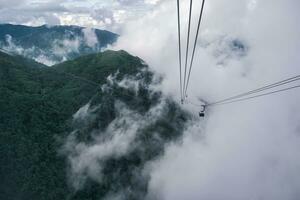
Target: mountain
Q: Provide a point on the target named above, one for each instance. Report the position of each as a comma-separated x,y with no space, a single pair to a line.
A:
53,44
82,129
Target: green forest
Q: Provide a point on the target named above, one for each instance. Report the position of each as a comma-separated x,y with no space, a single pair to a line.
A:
36,108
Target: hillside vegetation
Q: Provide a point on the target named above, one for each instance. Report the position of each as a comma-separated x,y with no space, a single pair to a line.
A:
37,105
53,44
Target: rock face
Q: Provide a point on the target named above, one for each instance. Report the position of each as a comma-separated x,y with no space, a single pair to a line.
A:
83,129
53,44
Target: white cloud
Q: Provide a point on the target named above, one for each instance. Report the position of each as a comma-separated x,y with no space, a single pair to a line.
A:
82,113
45,60
64,47
86,159
152,2
11,3
90,37
246,150
97,14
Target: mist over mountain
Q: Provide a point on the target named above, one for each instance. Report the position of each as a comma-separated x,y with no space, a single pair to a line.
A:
83,129
53,44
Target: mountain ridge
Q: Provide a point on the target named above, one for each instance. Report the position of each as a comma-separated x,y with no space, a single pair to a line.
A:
54,44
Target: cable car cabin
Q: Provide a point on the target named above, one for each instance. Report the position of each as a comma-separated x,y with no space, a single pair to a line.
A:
202,112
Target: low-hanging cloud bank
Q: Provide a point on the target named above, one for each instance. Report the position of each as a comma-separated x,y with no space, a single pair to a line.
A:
247,150
115,136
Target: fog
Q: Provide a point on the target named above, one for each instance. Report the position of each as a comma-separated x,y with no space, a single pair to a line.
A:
246,150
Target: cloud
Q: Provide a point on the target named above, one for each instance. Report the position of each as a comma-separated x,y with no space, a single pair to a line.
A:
37,54
102,14
113,138
59,49
12,3
66,46
245,150
116,141
90,37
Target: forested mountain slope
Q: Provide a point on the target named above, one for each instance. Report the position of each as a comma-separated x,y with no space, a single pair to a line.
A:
53,44
95,101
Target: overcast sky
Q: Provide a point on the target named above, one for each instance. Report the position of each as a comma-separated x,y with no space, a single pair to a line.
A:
105,14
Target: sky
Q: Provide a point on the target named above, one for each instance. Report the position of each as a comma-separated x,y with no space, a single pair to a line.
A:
248,150
104,14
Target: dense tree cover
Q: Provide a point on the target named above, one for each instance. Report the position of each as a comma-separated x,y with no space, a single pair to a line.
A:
56,43
36,108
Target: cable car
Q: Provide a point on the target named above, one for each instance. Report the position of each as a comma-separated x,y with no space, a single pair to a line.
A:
202,112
